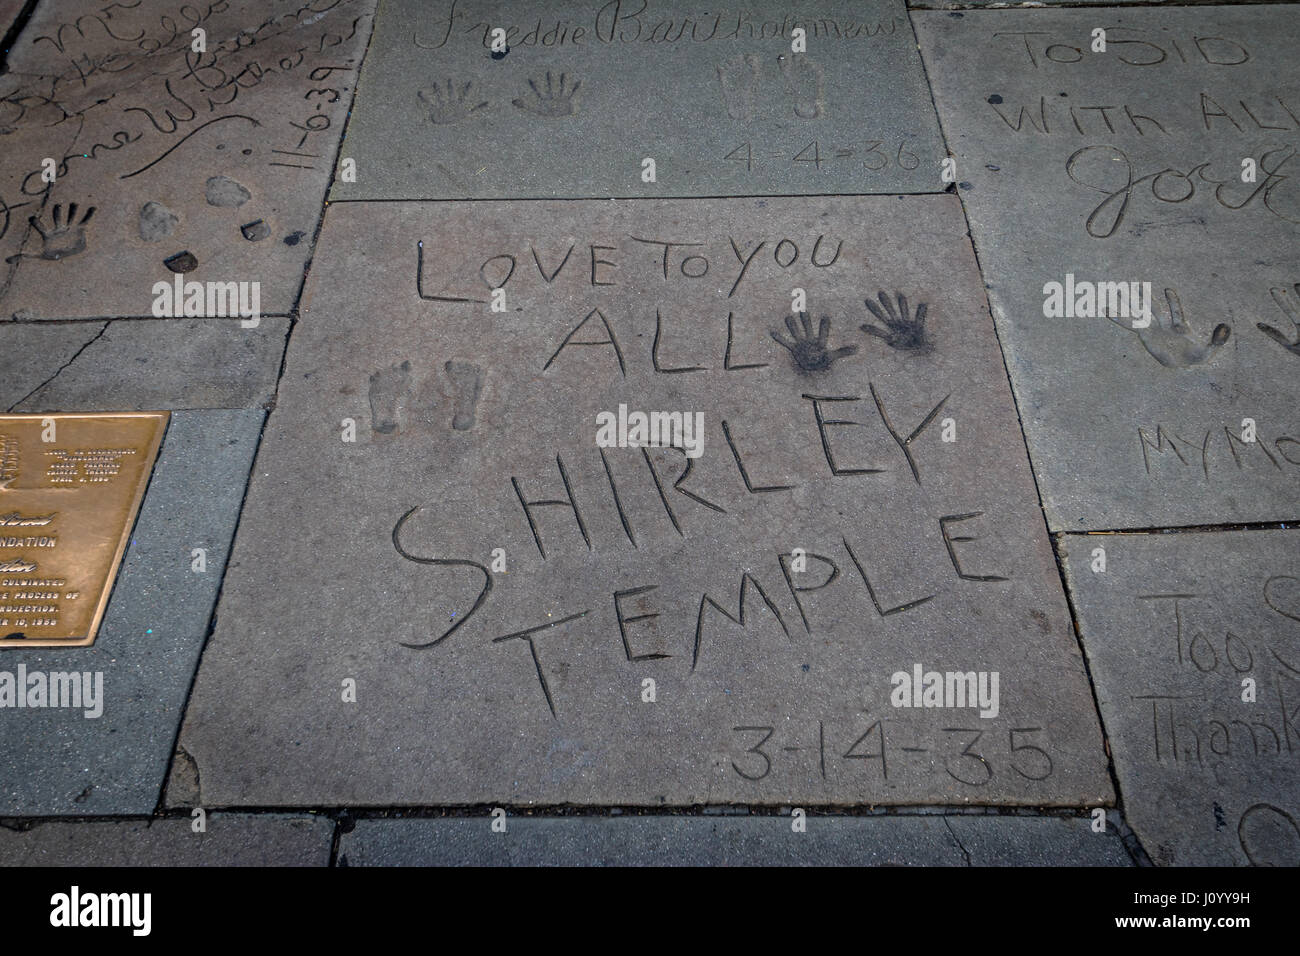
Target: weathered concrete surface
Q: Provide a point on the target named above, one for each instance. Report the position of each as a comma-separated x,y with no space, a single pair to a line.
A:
412,422
155,145
60,761
1126,166
231,839
139,364
1173,629
732,841
588,90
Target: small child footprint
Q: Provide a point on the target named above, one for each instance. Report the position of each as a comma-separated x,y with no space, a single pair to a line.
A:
739,78
389,398
805,80
467,379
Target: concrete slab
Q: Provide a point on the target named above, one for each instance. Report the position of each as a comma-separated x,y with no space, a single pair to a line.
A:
231,839
169,162
1174,629
33,354
587,92
140,364
1036,841
731,841
406,448
73,761
1126,166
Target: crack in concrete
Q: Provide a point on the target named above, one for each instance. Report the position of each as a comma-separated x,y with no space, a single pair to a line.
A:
59,371
961,846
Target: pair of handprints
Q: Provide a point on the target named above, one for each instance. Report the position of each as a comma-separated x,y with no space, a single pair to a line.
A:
900,327
552,96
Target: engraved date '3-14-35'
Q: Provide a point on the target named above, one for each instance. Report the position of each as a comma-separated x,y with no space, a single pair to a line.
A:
970,755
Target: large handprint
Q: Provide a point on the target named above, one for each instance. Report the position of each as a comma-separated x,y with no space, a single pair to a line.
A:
65,237
559,96
808,350
1174,347
448,104
901,331
1289,308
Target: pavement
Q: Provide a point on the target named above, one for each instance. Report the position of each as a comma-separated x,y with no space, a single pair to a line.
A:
857,435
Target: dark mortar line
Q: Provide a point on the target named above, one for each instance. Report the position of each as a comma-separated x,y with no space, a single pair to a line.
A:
1189,528
345,815
606,199
95,338
325,196
12,34
1137,851
336,838
1130,840
269,408
1033,473
212,624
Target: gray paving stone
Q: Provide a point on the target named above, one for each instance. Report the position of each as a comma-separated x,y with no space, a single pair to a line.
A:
1036,841
587,91
145,364
60,761
335,574
31,354
138,127
231,839
1111,171
1172,628
731,841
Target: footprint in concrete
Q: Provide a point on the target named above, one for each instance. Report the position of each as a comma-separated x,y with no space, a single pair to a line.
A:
467,379
225,192
739,78
156,221
255,231
389,394
182,262
805,80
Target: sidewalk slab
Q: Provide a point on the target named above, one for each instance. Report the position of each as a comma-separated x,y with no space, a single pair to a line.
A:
61,762
731,841
210,166
586,92
416,432
231,839
1083,168
130,365
1173,630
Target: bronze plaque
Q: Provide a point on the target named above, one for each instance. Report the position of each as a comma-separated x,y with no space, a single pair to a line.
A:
70,488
